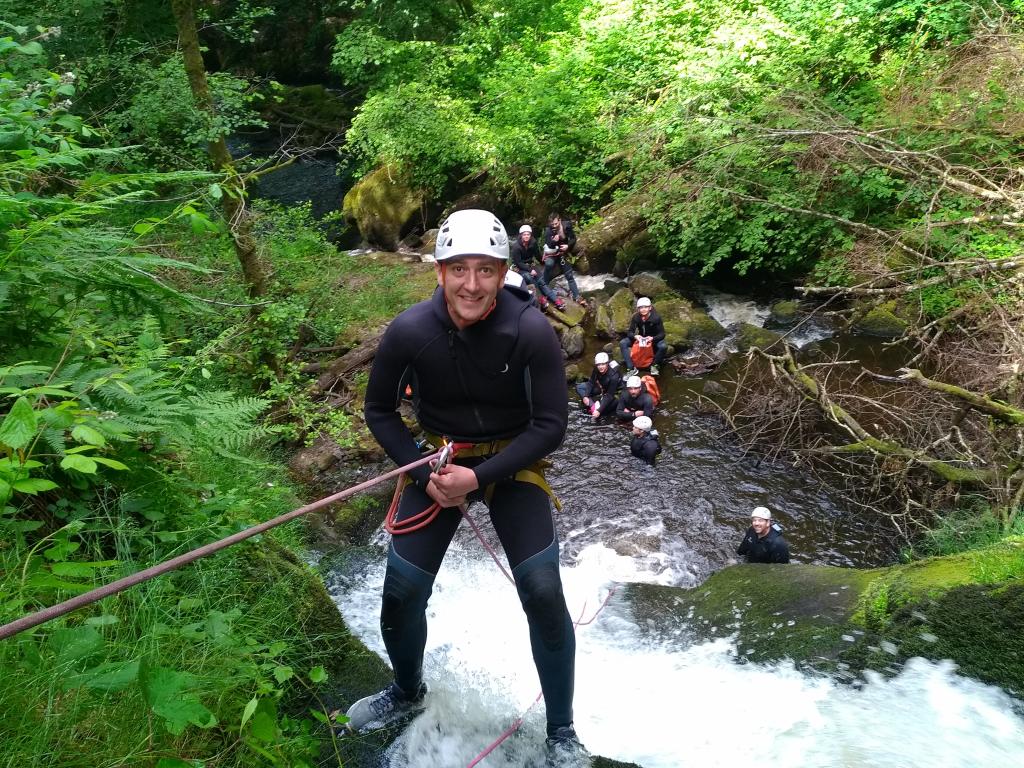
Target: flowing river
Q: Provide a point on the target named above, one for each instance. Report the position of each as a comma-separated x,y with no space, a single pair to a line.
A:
670,702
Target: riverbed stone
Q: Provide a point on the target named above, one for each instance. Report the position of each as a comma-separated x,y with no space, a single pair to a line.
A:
622,306
648,284
687,325
382,206
749,335
573,341
784,314
967,607
881,321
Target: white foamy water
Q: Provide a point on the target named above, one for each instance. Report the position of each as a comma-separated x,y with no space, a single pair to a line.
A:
728,310
665,704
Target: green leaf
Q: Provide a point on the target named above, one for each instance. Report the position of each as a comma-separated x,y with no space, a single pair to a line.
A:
110,676
166,693
81,464
318,715
86,434
283,673
177,762
20,424
73,570
102,621
318,674
112,463
250,707
31,48
34,485
73,644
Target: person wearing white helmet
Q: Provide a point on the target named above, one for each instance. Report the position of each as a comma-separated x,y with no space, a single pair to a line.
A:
635,401
763,542
487,376
525,254
646,326
644,444
599,393
559,245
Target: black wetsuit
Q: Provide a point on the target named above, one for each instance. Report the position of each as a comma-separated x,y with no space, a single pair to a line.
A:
603,387
499,378
770,549
642,402
653,326
645,446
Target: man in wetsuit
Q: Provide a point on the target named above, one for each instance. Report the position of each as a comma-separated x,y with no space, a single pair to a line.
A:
644,444
559,245
600,392
635,401
763,542
645,324
486,368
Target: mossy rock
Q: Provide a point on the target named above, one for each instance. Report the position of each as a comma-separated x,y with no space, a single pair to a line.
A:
573,341
784,314
881,321
617,223
967,607
604,327
648,284
748,335
687,325
382,206
621,308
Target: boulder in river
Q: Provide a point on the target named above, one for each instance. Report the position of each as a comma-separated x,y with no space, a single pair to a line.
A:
382,206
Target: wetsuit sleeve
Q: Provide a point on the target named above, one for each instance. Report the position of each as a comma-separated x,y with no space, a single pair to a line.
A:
780,551
648,405
620,408
549,237
659,329
570,234
383,396
549,402
744,546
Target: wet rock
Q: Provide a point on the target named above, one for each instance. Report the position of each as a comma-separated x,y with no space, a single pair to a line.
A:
617,223
636,546
604,327
648,284
621,307
713,388
572,341
637,254
882,322
382,207
686,325
698,364
573,373
784,314
748,336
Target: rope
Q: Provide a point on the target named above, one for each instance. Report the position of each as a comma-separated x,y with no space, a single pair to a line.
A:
46,614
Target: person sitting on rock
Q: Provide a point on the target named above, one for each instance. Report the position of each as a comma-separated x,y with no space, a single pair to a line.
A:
599,393
644,444
646,326
525,254
559,244
635,401
763,542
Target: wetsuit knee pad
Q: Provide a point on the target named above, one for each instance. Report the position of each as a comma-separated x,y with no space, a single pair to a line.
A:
406,592
540,591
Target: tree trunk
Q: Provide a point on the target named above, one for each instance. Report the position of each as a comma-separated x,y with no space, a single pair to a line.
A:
234,207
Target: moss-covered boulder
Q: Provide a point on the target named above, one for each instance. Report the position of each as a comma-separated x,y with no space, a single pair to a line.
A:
881,321
621,308
967,607
784,314
648,284
748,336
572,341
687,325
604,327
617,223
382,206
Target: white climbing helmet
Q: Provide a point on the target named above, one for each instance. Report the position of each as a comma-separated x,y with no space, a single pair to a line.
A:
643,301
514,279
526,228
633,381
643,422
471,232
601,358
763,512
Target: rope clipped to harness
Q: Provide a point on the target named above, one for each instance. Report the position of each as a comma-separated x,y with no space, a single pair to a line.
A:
421,519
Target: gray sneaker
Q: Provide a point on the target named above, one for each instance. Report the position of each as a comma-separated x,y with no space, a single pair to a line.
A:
654,370
564,749
385,708
632,372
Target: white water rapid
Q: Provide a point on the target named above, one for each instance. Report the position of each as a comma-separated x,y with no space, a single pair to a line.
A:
669,704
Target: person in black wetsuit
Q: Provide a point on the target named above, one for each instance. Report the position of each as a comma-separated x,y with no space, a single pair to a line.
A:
644,444
600,392
486,368
647,324
763,542
635,401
